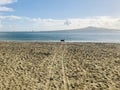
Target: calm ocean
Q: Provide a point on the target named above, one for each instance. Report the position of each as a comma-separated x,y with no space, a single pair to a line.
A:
56,37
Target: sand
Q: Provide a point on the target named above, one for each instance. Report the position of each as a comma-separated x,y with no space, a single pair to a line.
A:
59,66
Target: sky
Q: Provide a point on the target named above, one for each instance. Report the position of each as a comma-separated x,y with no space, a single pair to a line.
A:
45,15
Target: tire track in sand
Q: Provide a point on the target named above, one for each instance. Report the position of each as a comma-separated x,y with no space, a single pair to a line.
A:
51,67
63,69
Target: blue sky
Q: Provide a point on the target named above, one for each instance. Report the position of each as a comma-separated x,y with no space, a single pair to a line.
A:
54,14
65,8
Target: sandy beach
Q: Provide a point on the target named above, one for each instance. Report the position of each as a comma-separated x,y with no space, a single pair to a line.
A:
59,66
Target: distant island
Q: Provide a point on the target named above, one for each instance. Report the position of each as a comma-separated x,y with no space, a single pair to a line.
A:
85,30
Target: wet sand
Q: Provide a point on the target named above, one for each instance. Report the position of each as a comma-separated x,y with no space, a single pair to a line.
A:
59,66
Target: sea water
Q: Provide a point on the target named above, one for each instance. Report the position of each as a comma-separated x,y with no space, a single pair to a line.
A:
57,36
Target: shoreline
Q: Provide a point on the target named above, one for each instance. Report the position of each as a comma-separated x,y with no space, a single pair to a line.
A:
77,42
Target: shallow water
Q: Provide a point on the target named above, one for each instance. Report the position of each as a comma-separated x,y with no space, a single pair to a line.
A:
55,36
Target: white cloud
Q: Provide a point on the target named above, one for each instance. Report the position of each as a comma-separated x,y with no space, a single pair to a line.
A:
16,23
5,9
0,25
12,17
67,22
5,2
99,21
